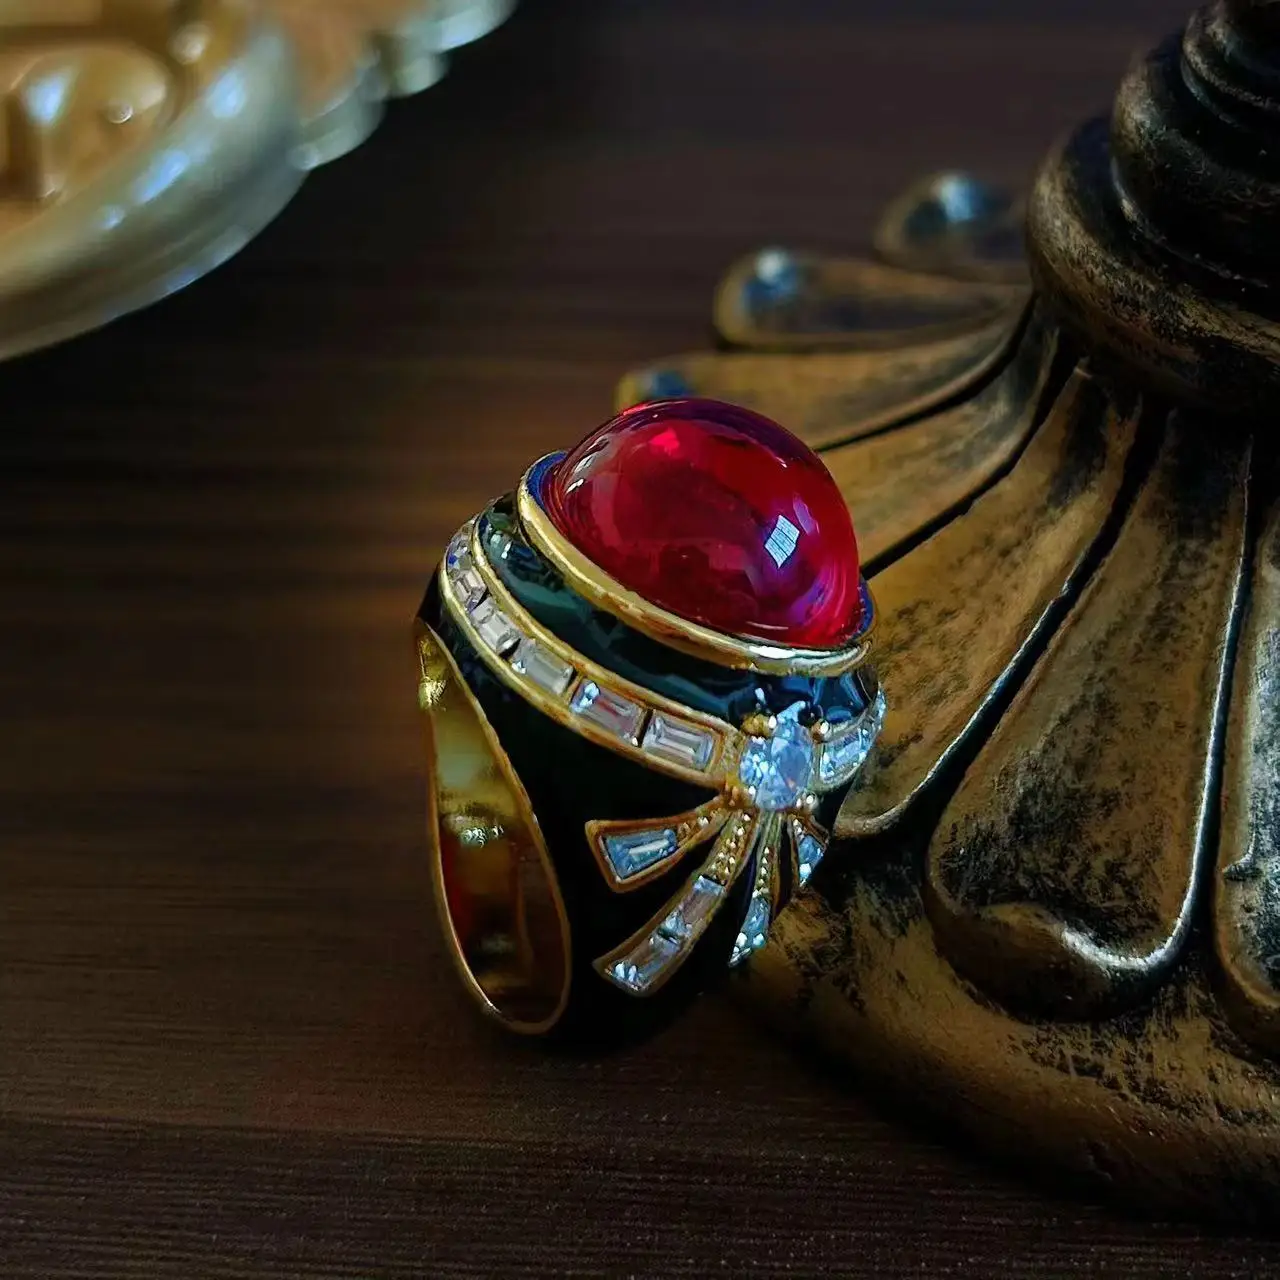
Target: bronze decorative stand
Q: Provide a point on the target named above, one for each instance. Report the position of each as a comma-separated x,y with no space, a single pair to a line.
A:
1055,922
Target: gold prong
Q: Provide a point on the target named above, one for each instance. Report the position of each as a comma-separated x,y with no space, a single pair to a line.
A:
760,724
739,796
806,806
820,731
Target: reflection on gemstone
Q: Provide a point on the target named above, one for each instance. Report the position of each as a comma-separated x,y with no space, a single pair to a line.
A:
542,667
777,271
809,851
495,628
638,971
760,532
844,753
755,930
609,710
779,768
458,556
679,741
693,912
468,586
632,852
782,542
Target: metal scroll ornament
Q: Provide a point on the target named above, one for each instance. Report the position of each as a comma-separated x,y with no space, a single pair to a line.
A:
143,142
1055,915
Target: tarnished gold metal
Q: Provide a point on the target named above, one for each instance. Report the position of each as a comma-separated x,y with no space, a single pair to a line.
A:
500,906
143,142
1247,884
1053,917
780,299
964,607
607,593
956,226
903,482
1077,839
832,397
1163,1106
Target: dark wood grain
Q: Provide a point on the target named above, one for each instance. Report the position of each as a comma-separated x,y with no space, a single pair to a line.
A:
229,1043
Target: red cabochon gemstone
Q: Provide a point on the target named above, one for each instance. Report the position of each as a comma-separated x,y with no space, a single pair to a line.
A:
718,515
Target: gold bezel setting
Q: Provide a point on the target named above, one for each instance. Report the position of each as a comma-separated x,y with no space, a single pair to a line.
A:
610,595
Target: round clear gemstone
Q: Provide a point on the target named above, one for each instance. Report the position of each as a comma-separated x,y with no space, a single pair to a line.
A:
780,768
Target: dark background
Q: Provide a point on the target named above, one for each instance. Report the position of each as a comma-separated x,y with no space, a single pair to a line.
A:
229,1040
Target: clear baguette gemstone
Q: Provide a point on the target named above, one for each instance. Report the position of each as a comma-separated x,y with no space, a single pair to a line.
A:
679,741
459,554
468,586
610,711
646,964
689,918
842,756
632,852
755,930
495,628
542,667
809,851
846,751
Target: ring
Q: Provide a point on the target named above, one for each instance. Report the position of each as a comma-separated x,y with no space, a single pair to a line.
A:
647,693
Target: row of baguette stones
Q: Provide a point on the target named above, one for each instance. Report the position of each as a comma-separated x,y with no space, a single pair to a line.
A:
673,939
663,736
667,946
656,955
755,925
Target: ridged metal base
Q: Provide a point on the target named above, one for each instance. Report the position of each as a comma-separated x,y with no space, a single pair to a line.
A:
1050,917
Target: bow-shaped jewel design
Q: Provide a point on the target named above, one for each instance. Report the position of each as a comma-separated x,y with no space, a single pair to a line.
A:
776,769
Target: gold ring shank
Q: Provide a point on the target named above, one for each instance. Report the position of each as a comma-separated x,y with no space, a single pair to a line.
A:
500,905
608,594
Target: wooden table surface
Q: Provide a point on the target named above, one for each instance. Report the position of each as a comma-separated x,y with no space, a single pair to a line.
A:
229,1041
